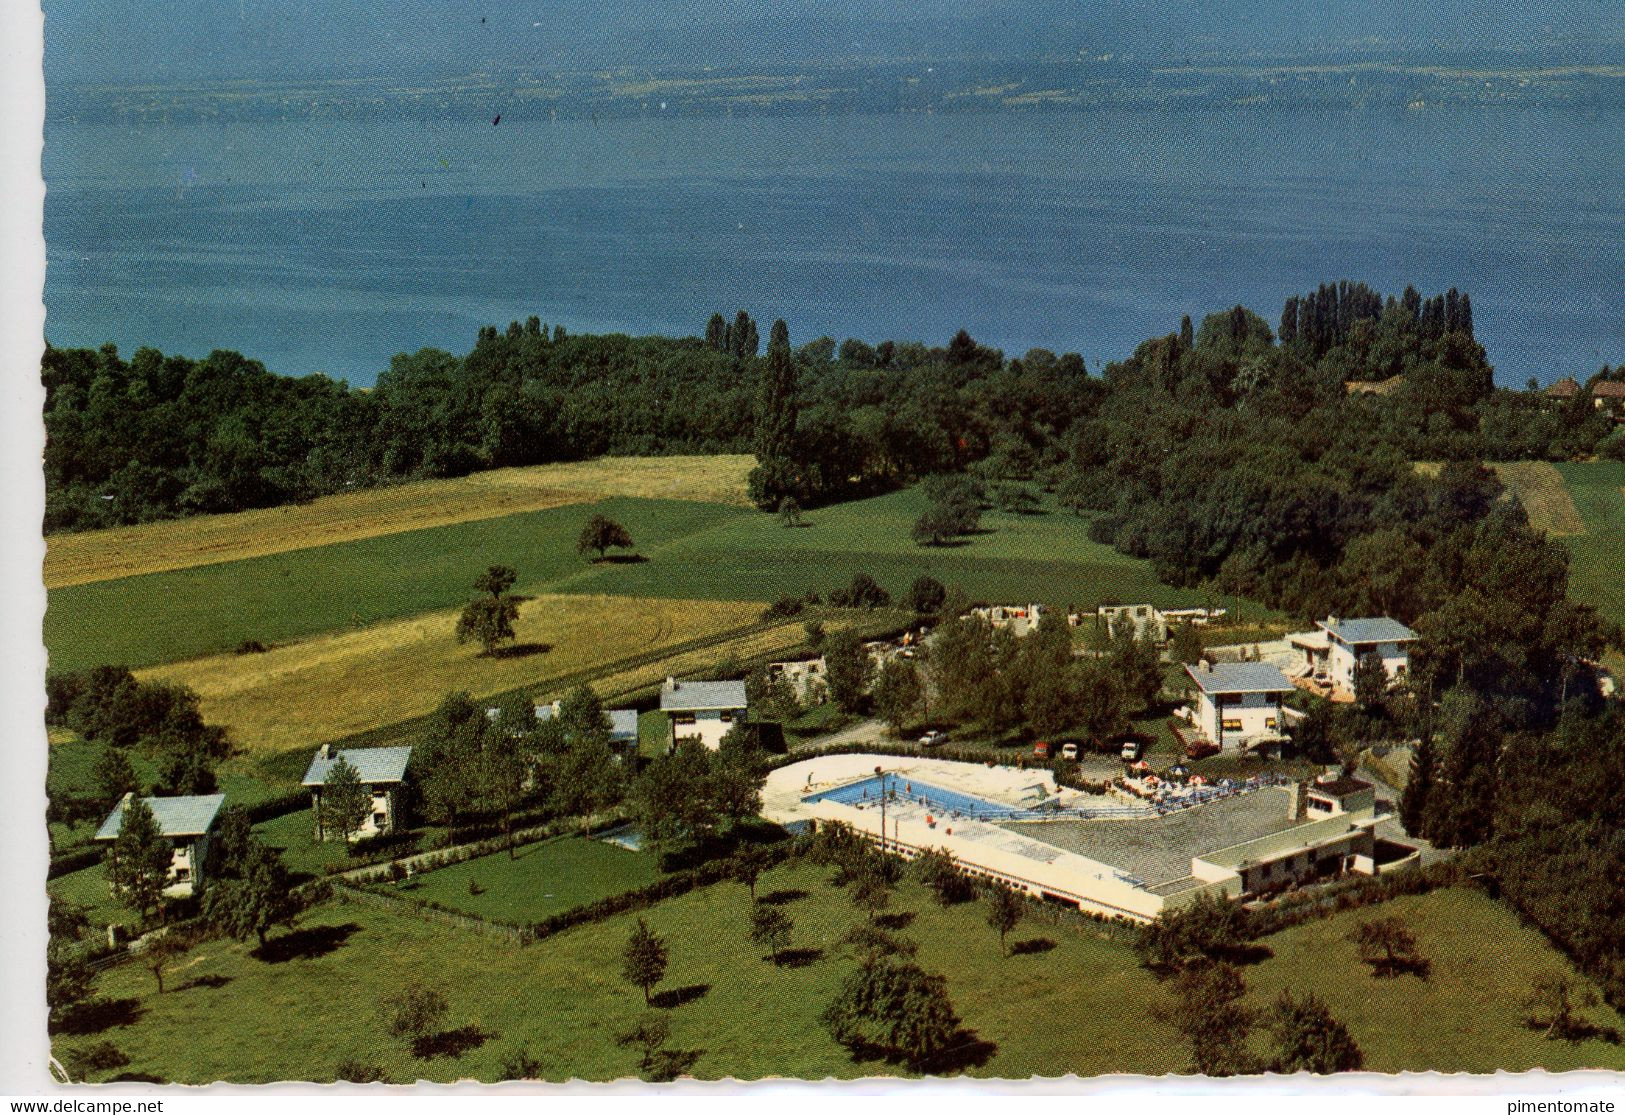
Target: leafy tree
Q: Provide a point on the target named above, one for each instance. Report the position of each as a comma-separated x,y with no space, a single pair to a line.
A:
415,1013
256,899
926,595
160,951
1370,681
871,889
489,619
601,534
186,772
138,864
873,943
643,962
815,635
790,512
345,801
863,592
848,669
770,926
648,1034
1389,947
895,1008
353,1070
1185,643
1210,928
898,693
114,776
68,979
1004,910
1554,1004
521,1065
1208,1011
746,867
939,871
585,779
1308,1039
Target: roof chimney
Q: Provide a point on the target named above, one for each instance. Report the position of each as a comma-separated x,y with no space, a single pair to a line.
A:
325,751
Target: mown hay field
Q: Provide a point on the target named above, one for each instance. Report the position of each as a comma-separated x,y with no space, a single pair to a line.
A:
1540,487
74,559
1597,572
186,613
339,684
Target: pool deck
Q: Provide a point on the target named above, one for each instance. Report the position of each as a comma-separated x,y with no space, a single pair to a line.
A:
1122,867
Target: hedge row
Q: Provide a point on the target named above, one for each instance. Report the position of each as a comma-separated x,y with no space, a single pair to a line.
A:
670,886
77,860
1352,894
279,806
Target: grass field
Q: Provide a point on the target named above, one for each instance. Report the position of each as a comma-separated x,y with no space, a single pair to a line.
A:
1081,1006
163,617
1465,1017
1075,1007
545,878
73,559
1597,574
695,551
1018,559
337,685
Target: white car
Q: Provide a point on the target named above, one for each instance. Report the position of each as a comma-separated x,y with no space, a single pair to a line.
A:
1069,751
932,738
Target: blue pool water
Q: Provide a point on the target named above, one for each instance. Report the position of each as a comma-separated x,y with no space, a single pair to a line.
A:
944,802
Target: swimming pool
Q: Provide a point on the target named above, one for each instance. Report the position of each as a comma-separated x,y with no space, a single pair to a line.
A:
947,803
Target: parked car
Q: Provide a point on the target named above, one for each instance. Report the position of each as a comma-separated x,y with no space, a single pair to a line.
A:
1069,751
1040,750
1133,749
1201,749
932,738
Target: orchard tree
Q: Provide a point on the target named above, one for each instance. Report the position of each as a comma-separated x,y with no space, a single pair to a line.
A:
160,951
415,1013
1004,909
1308,1039
114,775
601,534
643,961
489,619
895,1007
1389,947
251,903
770,926
927,595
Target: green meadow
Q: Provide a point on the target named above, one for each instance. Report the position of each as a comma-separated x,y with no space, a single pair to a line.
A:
544,878
164,617
694,551
1066,1002
1597,573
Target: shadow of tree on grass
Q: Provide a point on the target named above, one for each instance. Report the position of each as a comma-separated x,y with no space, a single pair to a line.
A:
306,944
1031,946
95,1015
450,1043
678,996
782,897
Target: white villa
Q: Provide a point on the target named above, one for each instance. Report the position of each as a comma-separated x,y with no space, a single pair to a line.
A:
382,771
186,823
1332,650
702,710
1238,704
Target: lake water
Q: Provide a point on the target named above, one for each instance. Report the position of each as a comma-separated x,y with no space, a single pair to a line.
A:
328,246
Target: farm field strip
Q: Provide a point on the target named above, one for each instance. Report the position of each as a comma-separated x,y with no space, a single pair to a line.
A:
1597,571
165,617
340,684
83,558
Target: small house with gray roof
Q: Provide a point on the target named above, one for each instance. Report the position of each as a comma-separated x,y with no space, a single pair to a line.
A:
186,823
1239,704
702,710
382,771
623,726
1336,646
